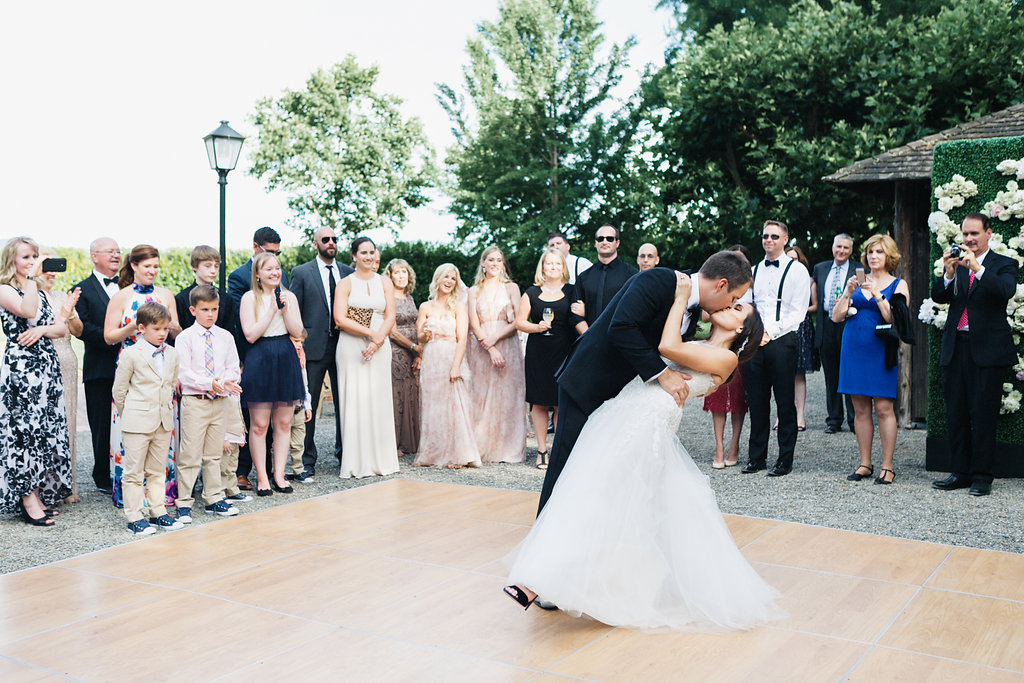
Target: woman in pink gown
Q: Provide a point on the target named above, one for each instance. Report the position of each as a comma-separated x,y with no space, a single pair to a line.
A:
446,436
498,389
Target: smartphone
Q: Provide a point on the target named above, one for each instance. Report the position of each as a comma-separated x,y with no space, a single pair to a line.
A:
277,296
860,276
55,265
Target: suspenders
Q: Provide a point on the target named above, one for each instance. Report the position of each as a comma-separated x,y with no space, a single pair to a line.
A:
778,299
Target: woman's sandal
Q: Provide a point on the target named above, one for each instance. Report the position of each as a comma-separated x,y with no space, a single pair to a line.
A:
880,479
856,476
45,520
542,460
519,595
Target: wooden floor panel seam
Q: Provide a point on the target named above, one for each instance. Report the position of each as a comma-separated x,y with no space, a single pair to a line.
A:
39,668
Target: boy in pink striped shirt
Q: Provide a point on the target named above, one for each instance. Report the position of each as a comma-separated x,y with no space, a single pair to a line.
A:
209,373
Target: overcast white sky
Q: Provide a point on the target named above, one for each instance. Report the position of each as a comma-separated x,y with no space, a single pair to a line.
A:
105,102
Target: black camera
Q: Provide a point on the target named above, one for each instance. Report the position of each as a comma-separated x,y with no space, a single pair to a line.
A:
55,265
954,251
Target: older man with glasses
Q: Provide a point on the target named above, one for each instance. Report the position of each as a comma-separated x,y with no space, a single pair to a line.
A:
781,291
313,284
100,359
597,285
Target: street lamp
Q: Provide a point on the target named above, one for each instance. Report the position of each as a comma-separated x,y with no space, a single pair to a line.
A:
223,146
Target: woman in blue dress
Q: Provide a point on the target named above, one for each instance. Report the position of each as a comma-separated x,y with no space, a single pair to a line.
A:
863,373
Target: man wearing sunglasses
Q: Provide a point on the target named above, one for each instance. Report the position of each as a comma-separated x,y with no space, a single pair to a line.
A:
597,285
313,284
781,291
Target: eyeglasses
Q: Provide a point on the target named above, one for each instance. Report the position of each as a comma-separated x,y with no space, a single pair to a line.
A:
275,252
773,238
108,252
325,240
605,238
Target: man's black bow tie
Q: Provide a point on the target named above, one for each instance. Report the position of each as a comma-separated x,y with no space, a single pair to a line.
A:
109,281
771,263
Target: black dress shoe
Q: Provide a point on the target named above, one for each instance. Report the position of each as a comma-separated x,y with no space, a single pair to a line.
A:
778,470
546,605
832,429
950,483
980,489
752,467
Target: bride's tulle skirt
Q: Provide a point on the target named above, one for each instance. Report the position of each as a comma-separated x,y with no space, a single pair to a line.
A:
632,535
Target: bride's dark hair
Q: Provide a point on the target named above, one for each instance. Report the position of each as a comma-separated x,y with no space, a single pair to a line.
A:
747,342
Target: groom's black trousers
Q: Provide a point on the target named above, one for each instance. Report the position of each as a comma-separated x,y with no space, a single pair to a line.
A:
571,418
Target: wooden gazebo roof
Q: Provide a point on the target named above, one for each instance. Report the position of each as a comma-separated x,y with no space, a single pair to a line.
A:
914,161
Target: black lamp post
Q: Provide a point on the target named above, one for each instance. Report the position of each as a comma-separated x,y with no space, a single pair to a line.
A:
223,146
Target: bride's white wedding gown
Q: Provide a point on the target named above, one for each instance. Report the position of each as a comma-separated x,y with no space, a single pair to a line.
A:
632,535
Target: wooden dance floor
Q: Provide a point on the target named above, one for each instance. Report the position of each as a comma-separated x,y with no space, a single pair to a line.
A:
401,581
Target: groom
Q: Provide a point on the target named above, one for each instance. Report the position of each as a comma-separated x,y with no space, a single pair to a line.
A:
623,343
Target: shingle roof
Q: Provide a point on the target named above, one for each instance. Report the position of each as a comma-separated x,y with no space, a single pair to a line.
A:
914,161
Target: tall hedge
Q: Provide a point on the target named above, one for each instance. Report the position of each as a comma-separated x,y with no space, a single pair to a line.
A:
975,160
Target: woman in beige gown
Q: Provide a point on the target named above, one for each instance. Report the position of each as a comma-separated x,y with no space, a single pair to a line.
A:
446,425
63,306
498,389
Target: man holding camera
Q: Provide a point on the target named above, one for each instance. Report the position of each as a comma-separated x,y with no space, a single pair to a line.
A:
977,348
781,292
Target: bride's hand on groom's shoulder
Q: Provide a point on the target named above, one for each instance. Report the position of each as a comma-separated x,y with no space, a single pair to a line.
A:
675,384
683,285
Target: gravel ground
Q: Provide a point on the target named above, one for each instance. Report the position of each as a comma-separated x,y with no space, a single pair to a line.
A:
815,493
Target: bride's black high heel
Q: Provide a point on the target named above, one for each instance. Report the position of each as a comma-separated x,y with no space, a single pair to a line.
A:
519,595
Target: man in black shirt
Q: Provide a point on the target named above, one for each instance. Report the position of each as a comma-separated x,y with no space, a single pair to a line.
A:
596,286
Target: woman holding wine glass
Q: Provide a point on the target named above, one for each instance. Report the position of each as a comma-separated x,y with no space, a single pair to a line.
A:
544,315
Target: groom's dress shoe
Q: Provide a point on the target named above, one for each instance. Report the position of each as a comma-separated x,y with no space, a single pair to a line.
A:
979,489
752,467
544,604
950,483
778,470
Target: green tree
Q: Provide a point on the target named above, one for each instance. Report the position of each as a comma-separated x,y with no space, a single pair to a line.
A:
751,118
535,127
700,16
342,152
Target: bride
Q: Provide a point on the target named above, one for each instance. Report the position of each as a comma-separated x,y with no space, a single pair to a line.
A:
632,535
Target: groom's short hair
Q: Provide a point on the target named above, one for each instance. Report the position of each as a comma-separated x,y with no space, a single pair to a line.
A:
730,265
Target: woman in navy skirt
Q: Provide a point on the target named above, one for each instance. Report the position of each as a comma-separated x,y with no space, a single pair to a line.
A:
271,377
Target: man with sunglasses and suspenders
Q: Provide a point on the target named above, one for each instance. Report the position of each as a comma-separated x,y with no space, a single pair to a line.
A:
781,291
313,284
598,284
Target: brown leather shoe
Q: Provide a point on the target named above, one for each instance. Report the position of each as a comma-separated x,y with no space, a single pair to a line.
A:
243,483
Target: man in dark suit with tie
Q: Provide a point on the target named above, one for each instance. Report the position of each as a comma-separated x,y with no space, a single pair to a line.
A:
100,359
977,349
623,343
829,278
313,284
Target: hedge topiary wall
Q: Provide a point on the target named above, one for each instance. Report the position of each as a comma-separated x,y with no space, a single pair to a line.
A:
976,161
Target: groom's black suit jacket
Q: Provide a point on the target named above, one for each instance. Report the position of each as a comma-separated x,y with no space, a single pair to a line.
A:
623,342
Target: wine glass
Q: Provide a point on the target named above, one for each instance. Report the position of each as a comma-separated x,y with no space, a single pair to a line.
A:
547,315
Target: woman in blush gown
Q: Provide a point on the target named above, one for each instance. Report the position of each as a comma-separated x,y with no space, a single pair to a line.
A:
495,360
645,546
446,434
136,278
405,358
364,310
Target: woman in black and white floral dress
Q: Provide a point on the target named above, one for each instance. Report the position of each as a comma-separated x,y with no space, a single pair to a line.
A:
35,470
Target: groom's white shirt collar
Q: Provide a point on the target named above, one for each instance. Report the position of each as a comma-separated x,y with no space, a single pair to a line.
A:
694,300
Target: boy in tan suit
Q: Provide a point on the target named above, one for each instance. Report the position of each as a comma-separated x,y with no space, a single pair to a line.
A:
143,388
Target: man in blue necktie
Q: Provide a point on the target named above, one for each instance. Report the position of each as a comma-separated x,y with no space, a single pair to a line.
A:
829,278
